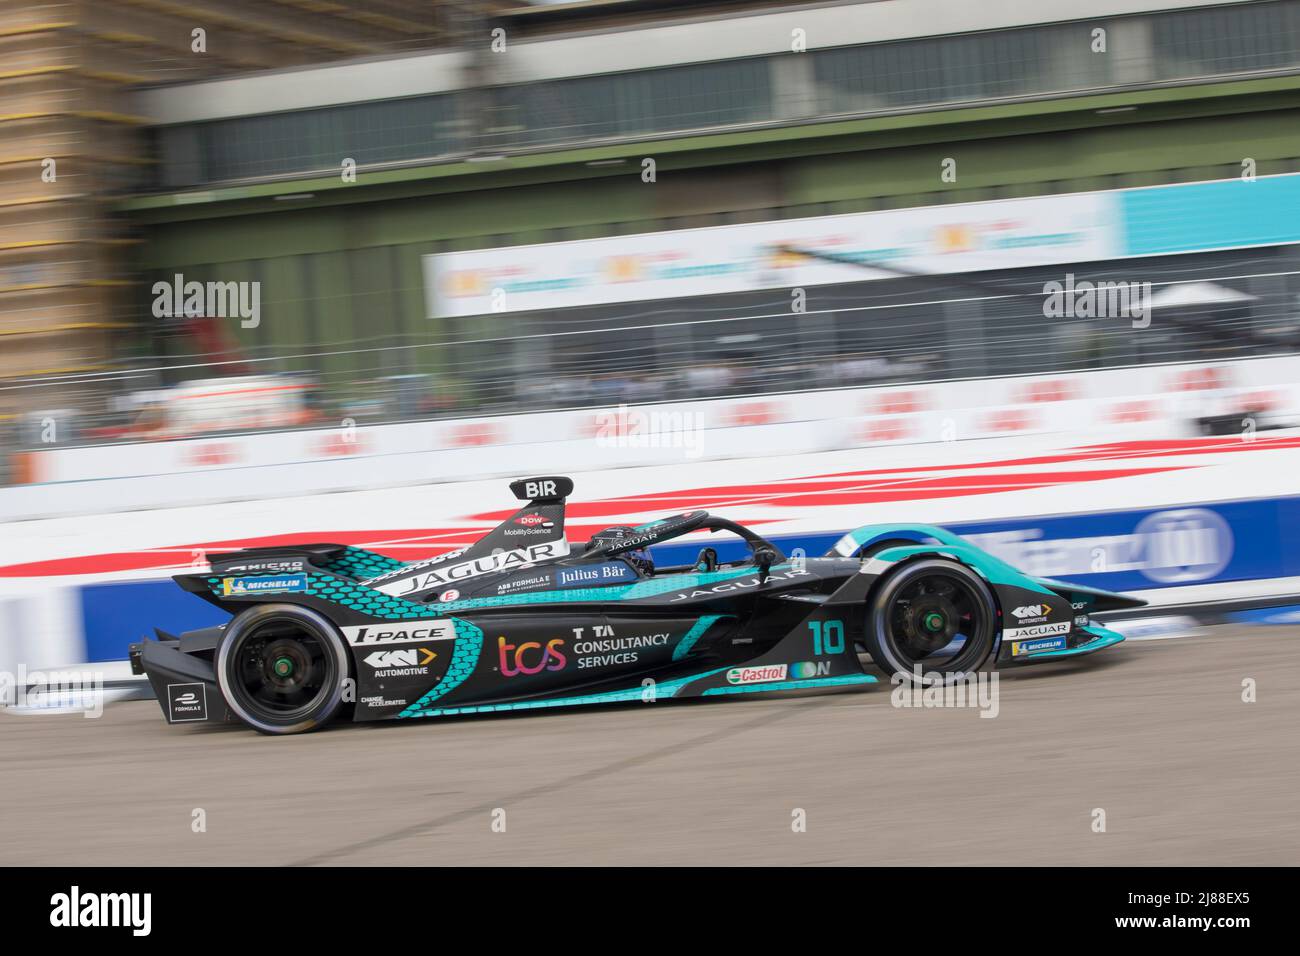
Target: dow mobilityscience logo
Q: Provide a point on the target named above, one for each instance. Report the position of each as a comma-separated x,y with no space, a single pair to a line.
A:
94,910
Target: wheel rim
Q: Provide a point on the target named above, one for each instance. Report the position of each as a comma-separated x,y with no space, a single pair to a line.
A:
281,670
937,620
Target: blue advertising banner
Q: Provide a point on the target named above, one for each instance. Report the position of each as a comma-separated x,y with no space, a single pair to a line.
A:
1192,217
1118,550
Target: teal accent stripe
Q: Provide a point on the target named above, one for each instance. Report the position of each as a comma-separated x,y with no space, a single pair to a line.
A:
627,592
469,645
376,604
694,634
793,684
1105,638
661,688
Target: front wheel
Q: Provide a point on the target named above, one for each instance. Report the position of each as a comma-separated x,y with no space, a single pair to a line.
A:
282,668
932,621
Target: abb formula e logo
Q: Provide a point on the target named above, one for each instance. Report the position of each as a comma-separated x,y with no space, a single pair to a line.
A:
442,576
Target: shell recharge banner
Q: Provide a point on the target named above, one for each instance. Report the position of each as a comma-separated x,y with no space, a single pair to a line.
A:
666,265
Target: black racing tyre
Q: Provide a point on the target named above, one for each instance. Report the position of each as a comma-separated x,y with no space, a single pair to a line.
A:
281,669
919,613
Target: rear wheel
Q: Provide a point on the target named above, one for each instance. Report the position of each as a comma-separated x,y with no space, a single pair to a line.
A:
281,669
932,621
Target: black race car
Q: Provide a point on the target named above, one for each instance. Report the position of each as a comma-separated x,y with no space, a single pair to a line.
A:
522,620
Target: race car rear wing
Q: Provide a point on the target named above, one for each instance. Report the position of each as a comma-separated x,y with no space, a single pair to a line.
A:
542,490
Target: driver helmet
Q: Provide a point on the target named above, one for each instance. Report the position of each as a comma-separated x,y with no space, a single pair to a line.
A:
639,558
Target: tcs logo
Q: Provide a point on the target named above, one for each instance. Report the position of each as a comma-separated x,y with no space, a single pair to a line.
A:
531,657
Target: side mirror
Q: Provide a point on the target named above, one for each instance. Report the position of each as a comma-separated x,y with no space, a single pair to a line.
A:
764,558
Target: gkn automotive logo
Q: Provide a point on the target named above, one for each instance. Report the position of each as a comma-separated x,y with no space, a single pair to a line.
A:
1031,613
406,662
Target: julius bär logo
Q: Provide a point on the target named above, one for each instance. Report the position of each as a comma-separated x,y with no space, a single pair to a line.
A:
531,657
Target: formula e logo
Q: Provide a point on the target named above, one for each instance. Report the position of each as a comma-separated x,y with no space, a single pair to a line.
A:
411,657
1031,611
186,702
531,657
409,632
756,675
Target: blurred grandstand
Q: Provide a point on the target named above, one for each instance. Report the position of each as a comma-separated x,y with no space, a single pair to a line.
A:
173,162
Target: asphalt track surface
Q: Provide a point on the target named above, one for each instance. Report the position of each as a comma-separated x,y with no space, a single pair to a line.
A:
1155,733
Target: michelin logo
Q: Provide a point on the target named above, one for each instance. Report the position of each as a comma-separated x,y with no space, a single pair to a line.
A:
1021,648
238,587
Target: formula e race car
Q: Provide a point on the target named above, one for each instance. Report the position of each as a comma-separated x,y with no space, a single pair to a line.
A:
523,620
